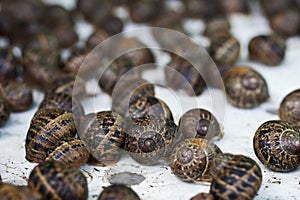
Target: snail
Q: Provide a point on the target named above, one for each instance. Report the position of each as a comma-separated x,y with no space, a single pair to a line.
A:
9,191
199,123
192,159
245,87
70,151
224,49
233,6
203,196
216,25
151,138
103,134
149,106
98,36
267,49
286,22
182,75
235,177
277,145
144,11
56,180
127,91
48,127
203,9
289,109
4,112
17,95
118,192
9,64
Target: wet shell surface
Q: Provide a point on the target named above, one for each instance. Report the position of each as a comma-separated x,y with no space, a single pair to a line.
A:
12,192
269,50
277,145
235,177
199,123
103,135
245,87
47,128
151,138
4,112
192,159
149,106
56,180
118,192
289,109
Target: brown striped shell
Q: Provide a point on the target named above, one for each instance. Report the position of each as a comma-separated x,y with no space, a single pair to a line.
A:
286,22
118,192
191,160
127,91
151,138
149,106
12,192
71,152
289,109
277,145
182,75
235,177
4,112
47,128
203,196
103,135
17,95
217,25
245,87
8,64
56,180
267,49
224,49
199,123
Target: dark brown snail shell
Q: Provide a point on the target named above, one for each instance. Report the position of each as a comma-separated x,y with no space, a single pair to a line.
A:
224,49
192,159
71,152
56,180
144,11
149,106
151,138
216,25
203,196
8,64
118,192
235,177
199,123
182,75
245,87
267,49
103,135
4,112
289,109
233,6
9,191
204,9
127,91
98,36
277,145
17,95
47,128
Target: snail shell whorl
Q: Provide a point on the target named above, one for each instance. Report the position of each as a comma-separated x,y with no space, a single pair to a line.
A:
277,145
289,109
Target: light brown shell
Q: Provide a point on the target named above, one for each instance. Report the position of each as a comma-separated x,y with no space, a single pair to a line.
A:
192,159
203,196
245,87
11,192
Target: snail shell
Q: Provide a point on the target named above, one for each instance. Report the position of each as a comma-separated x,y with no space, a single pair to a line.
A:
56,180
9,191
71,152
217,25
203,196
127,91
118,192
103,134
245,87
191,160
199,123
269,50
286,22
4,112
98,36
48,127
233,6
181,75
277,145
224,49
235,177
17,95
8,64
149,106
289,109
151,138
